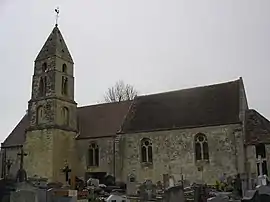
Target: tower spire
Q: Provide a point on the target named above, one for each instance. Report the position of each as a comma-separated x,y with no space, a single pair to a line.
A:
57,16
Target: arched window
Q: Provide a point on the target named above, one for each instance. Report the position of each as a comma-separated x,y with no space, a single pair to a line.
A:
146,150
64,68
64,85
201,147
40,114
65,116
42,86
44,67
93,154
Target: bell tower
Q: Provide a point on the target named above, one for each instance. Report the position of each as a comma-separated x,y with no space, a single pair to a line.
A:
50,137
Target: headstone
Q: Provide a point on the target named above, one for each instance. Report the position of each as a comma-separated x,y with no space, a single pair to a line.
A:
166,180
147,190
131,185
25,192
174,194
116,198
61,195
264,193
24,196
219,198
251,196
171,181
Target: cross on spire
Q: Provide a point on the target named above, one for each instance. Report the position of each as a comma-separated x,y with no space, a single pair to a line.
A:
57,15
22,154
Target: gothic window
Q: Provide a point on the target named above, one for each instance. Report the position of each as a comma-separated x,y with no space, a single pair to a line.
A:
93,155
261,159
64,85
64,68
65,116
146,150
201,147
40,114
44,67
42,86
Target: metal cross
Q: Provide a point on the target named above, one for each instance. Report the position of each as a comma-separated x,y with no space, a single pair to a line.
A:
57,15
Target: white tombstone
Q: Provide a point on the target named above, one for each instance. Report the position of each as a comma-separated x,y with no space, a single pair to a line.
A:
171,181
117,198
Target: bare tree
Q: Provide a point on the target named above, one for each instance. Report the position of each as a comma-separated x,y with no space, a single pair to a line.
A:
120,92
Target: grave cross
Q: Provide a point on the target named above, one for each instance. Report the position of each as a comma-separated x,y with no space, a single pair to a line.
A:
22,154
260,162
66,170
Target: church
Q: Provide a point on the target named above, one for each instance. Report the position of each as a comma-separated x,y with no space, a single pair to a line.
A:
199,133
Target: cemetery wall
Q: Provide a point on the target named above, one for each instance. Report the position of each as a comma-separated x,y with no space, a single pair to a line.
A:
176,148
106,155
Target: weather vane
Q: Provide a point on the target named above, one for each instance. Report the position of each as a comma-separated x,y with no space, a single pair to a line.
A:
57,15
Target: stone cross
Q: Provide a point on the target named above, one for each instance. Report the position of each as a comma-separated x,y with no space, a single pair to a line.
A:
260,161
66,170
22,154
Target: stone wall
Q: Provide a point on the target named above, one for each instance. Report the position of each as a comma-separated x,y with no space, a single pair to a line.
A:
12,154
47,150
173,152
106,154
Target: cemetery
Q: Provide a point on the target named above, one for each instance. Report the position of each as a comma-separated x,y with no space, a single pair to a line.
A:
227,189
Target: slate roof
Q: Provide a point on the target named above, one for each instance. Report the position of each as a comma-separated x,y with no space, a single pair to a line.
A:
101,120
257,128
201,106
55,46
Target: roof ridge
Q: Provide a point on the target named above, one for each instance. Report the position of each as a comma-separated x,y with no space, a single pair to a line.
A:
105,103
191,88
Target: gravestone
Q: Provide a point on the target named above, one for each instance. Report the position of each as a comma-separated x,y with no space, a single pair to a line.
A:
219,198
61,195
147,190
251,196
174,194
24,196
166,180
131,185
264,193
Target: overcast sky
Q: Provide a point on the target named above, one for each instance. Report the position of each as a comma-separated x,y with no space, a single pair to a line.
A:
155,45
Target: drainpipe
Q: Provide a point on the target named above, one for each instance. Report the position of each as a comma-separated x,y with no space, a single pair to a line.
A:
114,158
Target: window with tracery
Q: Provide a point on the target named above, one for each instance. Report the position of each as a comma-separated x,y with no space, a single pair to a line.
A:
201,147
64,85
65,116
93,154
146,150
40,114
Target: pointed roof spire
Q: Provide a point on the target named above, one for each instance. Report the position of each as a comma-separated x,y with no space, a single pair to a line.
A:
55,44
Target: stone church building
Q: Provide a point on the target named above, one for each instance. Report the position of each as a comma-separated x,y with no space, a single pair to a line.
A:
200,133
